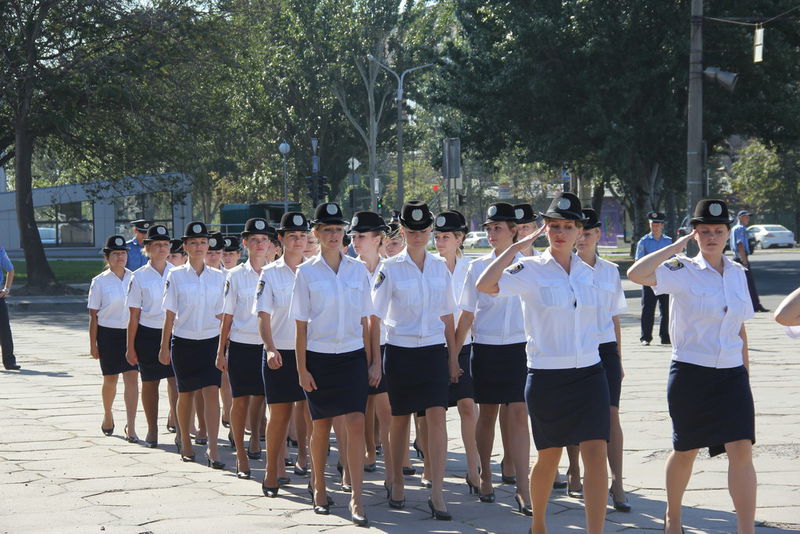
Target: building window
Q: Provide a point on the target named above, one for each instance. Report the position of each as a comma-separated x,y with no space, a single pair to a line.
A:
68,225
156,207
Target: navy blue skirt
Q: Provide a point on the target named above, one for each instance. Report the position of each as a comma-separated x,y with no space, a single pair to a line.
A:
148,344
244,369
709,407
568,406
113,344
499,372
282,384
341,381
609,357
194,363
416,378
463,389
381,387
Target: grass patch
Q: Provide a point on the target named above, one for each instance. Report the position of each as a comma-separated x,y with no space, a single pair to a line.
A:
68,271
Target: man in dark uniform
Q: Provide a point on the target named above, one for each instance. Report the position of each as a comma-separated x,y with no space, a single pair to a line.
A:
740,246
651,242
136,257
6,341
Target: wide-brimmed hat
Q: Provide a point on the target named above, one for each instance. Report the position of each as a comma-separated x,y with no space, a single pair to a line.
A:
230,243
175,246
328,213
367,221
500,212
293,221
216,241
157,232
656,216
591,219
416,215
115,242
259,226
142,225
195,229
447,221
565,206
524,213
711,211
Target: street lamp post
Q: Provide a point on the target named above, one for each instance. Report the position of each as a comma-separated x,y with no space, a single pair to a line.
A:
399,97
284,148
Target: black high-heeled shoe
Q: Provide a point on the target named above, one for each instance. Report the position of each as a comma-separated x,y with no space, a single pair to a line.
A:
311,492
358,520
201,441
172,429
300,471
523,508
486,497
107,431
347,488
425,483
665,524
226,424
439,515
408,471
620,506
291,443
187,458
213,464
269,492
370,468
244,475
130,439
472,487
322,509
506,479
418,449
254,455
231,443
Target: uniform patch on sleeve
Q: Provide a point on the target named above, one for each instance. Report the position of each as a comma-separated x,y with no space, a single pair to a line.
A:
379,280
227,287
674,264
260,288
514,269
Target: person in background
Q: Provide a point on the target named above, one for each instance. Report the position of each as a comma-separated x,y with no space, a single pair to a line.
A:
136,257
231,252
395,241
312,246
177,256
655,240
6,341
740,246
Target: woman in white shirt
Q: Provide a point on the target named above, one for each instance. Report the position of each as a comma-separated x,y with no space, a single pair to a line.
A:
108,319
710,402
240,349
566,390
193,308
331,306
413,295
496,326
144,301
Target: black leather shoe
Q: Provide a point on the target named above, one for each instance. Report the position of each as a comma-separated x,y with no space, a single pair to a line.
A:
322,509
486,497
370,468
151,444
523,508
358,520
244,475
439,514
254,455
269,492
408,471
620,506
12,366
213,464
107,431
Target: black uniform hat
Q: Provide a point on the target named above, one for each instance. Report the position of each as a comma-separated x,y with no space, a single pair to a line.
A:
259,226
142,224
293,221
231,243
367,221
328,213
447,221
195,229
157,232
463,220
394,230
115,242
415,215
711,211
216,241
346,240
565,206
656,216
591,219
524,213
499,212
175,246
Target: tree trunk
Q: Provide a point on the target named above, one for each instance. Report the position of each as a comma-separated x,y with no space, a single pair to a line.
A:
39,273
598,191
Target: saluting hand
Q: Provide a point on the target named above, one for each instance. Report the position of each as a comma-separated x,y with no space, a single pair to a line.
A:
681,242
527,241
222,362
307,381
163,356
132,357
274,359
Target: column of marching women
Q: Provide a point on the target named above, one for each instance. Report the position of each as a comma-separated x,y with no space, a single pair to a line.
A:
354,327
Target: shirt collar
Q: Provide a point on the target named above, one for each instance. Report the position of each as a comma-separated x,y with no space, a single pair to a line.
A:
703,264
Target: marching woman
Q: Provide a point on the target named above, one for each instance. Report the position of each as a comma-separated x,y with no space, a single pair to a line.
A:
240,350
611,304
108,319
448,233
708,390
177,256
368,233
278,366
331,306
232,252
413,295
144,302
395,241
498,361
566,389
216,248
193,303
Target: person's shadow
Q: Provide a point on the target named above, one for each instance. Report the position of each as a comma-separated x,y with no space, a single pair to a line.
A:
33,372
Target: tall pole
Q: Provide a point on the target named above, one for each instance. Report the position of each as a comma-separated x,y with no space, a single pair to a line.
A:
694,145
400,185
285,186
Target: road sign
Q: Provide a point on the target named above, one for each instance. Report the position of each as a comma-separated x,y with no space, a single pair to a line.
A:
353,164
377,185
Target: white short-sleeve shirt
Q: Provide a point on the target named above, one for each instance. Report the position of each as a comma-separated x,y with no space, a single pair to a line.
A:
706,310
146,292
107,295
195,300
458,277
274,296
498,320
332,304
793,331
373,278
560,310
412,302
240,293
611,297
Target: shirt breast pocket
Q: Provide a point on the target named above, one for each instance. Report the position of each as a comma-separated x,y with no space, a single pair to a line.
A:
283,295
436,288
112,293
556,294
152,293
244,298
708,300
407,293
321,296
190,294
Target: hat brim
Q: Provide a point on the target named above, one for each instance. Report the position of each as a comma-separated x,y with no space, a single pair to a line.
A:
565,216
500,219
107,249
303,228
337,221
364,229
443,229
266,231
156,238
590,226
526,219
711,220
185,237
662,221
416,225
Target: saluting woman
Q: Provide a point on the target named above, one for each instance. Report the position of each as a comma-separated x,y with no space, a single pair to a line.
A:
708,391
498,361
144,302
279,364
331,306
566,390
413,295
193,303
240,350
108,319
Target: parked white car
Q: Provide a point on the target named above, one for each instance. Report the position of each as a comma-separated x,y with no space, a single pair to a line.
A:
476,240
770,235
